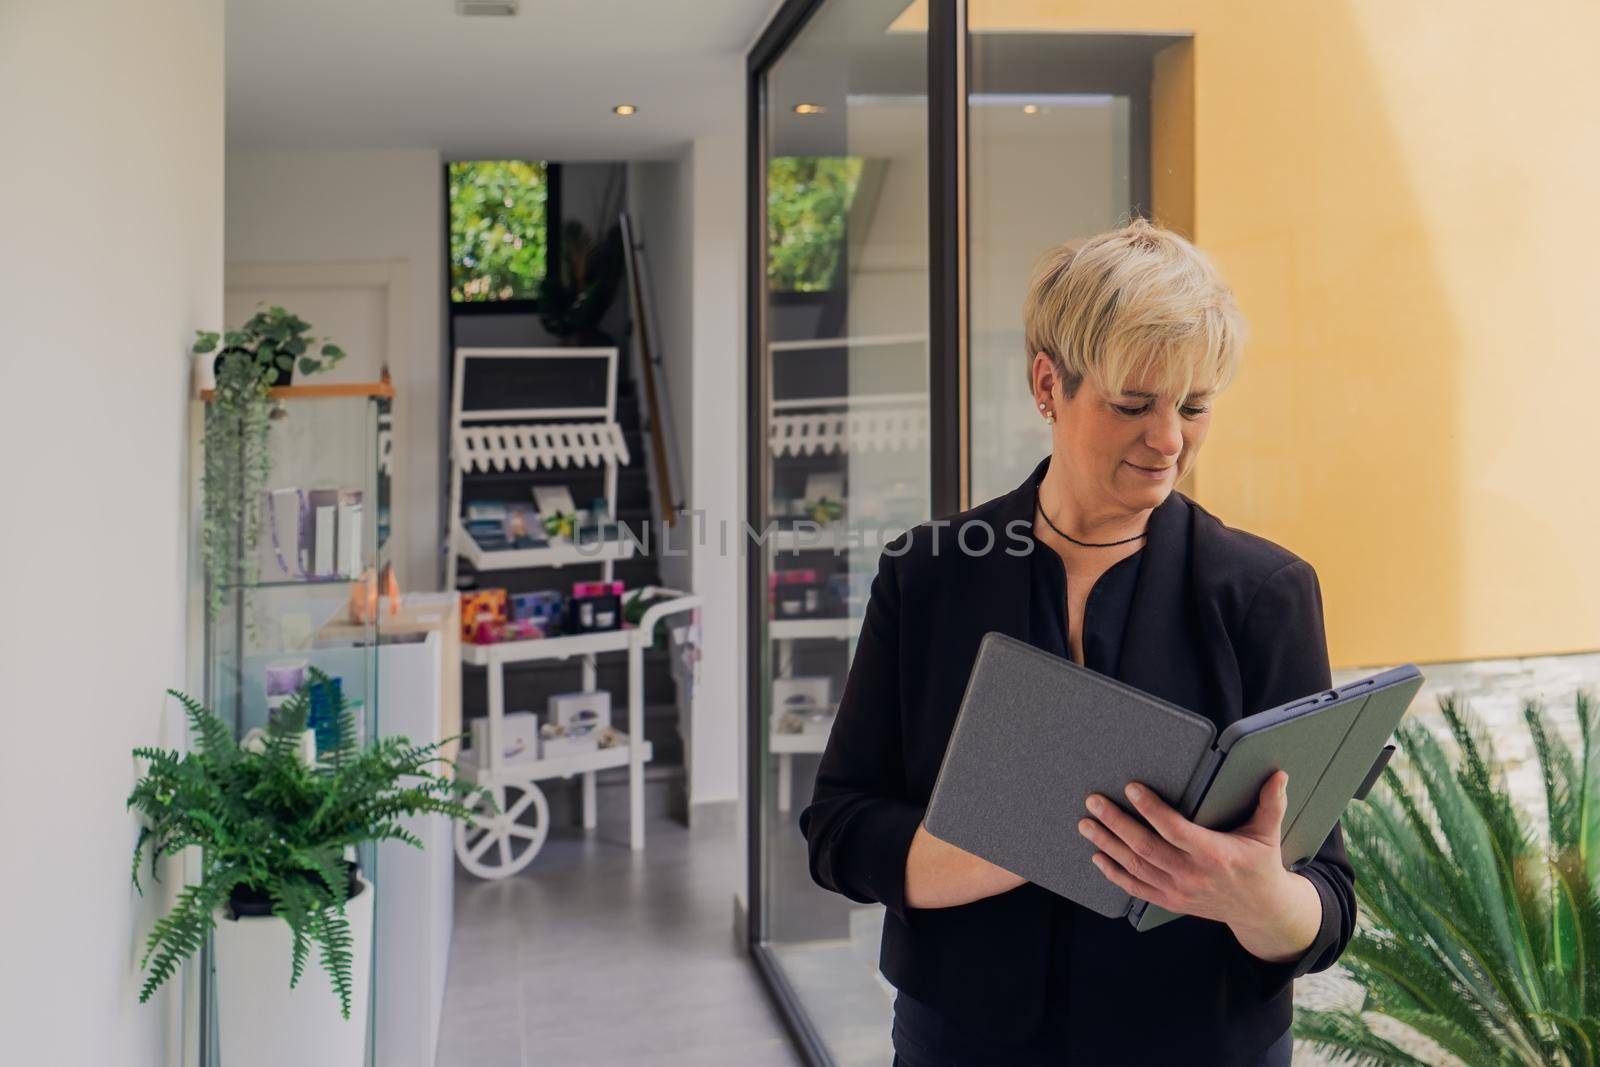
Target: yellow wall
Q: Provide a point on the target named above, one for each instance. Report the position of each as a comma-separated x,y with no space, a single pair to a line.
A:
1401,192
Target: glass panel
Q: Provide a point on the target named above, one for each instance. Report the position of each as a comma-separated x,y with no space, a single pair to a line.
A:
320,528
846,356
1049,159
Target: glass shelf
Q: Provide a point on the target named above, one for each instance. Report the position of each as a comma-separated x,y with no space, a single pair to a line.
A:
267,633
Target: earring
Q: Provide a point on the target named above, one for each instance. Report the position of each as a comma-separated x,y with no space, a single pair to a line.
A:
1049,416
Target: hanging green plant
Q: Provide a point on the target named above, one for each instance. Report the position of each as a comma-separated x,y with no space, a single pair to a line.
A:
262,353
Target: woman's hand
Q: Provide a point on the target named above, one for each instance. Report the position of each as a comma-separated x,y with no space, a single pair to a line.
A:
1237,878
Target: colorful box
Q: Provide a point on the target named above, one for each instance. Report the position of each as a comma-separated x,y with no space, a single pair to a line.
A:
481,605
542,607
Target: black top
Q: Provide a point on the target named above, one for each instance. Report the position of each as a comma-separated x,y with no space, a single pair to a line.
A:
1221,622
921,1037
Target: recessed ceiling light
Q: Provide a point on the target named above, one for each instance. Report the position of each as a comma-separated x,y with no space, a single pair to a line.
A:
809,109
1030,109
624,109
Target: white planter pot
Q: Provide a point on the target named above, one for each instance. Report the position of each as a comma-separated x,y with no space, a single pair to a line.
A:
261,1022
205,375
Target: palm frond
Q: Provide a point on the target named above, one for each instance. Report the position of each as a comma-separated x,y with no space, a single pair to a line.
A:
1478,933
1345,1038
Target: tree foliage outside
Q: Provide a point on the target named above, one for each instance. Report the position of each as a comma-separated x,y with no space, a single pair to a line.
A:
1478,931
498,229
808,205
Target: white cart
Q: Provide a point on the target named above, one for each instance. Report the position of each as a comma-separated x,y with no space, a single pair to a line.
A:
500,845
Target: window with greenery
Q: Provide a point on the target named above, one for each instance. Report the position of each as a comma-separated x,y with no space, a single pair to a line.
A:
498,230
808,203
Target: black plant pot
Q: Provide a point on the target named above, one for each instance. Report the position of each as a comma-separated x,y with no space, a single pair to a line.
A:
247,903
281,375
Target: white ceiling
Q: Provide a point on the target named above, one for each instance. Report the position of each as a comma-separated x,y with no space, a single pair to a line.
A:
361,74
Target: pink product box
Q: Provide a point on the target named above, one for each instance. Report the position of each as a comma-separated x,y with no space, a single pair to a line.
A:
588,589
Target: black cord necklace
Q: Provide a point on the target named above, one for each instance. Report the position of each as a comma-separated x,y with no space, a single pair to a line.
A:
1086,544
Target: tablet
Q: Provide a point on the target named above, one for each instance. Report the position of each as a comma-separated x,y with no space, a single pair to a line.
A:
1036,734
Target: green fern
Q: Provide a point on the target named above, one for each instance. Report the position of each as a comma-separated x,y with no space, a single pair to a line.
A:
1476,933
270,825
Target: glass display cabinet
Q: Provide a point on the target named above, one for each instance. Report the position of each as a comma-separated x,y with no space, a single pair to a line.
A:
309,595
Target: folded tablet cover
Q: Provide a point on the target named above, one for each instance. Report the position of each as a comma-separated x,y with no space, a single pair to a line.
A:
1035,735
1327,742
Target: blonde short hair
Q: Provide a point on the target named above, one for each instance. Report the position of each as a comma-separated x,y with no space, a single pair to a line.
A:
1130,301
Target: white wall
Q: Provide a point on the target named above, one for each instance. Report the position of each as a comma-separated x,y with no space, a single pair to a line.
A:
110,258
690,211
717,448
331,207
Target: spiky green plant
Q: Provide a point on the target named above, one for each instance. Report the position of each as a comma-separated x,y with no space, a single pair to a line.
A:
1477,932
267,823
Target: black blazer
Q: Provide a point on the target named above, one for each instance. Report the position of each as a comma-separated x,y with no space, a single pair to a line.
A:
1223,623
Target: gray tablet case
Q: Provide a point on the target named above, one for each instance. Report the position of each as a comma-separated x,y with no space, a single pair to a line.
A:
1036,734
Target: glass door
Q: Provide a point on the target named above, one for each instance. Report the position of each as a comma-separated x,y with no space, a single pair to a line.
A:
840,461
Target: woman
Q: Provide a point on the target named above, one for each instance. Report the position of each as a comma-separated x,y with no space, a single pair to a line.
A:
1096,557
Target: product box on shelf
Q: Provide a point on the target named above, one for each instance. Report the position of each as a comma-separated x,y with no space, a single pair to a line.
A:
489,534
522,526
279,549
321,532
797,594
595,607
542,606
323,718
519,737
580,709
283,680
481,605
349,533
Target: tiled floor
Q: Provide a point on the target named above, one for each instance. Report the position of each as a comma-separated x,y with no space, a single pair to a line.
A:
596,956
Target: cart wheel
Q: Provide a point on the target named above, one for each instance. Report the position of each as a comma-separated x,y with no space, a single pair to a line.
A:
498,846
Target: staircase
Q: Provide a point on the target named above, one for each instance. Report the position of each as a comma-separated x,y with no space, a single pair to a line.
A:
529,685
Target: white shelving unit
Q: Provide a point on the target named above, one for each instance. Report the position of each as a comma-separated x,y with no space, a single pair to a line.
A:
533,438
830,425
500,845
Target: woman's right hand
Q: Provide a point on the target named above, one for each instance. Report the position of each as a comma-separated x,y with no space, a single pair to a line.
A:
941,875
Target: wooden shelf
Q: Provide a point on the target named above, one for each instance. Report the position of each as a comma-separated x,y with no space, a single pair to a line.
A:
381,388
